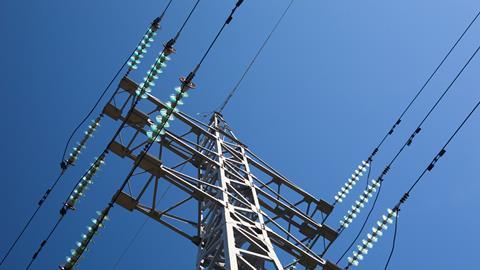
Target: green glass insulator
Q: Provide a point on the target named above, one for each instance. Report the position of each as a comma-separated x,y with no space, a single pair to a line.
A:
164,58
152,135
159,118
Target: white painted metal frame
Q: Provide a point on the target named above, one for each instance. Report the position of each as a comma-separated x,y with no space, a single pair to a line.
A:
247,211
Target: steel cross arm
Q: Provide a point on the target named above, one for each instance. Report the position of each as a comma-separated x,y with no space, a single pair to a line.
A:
231,230
309,227
329,233
306,259
198,128
140,120
131,204
154,166
304,228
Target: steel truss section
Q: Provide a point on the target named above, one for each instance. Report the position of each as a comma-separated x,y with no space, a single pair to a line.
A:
246,211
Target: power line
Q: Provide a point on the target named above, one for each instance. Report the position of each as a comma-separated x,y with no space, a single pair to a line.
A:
227,21
35,255
419,127
393,241
186,85
186,20
363,226
168,48
235,88
399,119
137,233
410,140
54,184
64,164
429,167
157,21
140,229
65,208
40,204
443,151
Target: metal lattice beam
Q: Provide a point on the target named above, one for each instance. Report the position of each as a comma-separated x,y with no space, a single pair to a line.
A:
247,211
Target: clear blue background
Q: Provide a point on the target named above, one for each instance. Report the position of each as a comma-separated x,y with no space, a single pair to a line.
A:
328,86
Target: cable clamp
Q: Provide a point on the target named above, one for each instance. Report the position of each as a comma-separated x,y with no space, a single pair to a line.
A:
435,160
156,23
394,126
385,171
410,140
63,165
403,199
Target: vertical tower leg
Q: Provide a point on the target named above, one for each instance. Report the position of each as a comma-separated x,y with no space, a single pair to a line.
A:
233,235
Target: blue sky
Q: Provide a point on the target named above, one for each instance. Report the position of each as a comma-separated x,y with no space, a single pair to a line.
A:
330,83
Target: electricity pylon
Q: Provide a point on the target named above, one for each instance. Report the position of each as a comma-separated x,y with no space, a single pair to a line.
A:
248,215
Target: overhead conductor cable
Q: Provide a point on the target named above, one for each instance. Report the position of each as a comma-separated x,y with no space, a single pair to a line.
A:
365,163
73,156
237,85
376,184
157,131
86,179
143,90
377,230
349,217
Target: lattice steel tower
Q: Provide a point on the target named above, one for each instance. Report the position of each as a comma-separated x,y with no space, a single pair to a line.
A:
249,215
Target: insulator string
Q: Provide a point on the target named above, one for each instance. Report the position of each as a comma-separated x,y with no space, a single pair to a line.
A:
141,92
155,134
372,237
429,167
399,119
417,130
65,163
363,226
154,26
432,75
144,88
